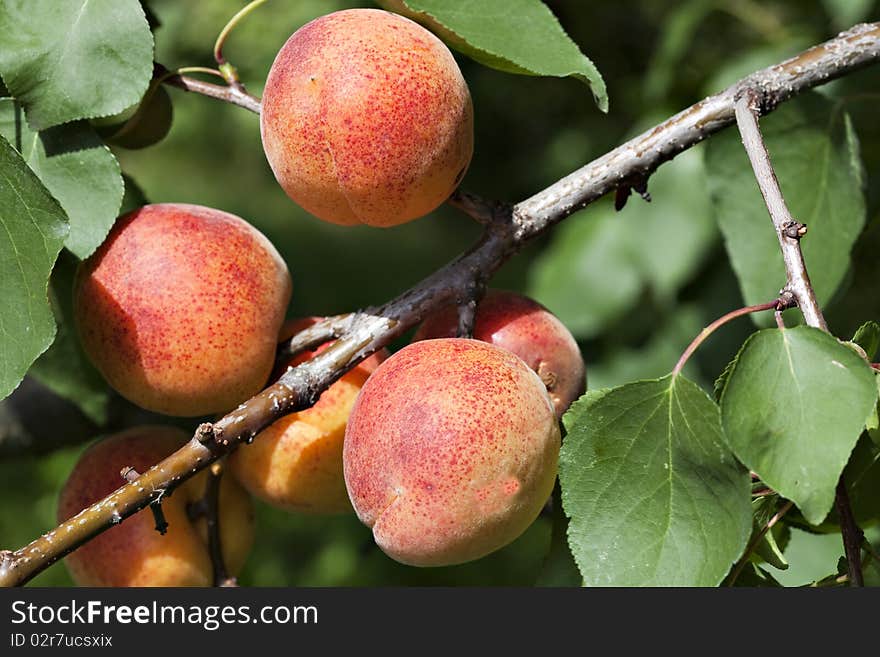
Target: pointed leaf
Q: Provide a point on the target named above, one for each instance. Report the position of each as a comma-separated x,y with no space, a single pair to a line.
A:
654,494
792,410
868,338
33,231
515,36
76,167
77,59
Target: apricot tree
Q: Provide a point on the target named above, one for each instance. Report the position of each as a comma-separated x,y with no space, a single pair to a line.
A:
450,447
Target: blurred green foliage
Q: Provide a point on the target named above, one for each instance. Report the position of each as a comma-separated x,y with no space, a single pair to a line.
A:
636,314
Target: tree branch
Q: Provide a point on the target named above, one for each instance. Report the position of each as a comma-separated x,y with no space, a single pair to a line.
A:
507,230
789,232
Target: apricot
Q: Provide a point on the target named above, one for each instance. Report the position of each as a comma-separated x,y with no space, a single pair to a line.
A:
296,463
133,553
450,452
366,118
180,308
525,327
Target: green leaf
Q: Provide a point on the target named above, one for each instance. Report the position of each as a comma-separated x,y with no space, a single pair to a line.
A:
793,408
868,338
599,262
862,477
815,156
77,59
515,36
64,368
34,228
654,494
76,167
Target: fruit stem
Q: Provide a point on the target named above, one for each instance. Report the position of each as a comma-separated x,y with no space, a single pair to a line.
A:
776,304
224,33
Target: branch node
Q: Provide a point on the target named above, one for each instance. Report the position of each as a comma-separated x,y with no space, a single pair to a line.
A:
637,183
794,229
207,432
129,474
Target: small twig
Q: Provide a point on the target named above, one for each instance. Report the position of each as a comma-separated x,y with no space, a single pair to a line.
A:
131,475
482,211
721,321
788,231
747,108
852,535
228,94
212,520
330,328
743,560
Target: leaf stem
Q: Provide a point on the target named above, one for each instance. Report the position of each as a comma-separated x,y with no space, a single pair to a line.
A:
195,69
227,70
721,321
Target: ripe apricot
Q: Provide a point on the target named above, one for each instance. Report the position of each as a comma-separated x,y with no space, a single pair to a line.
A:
296,462
180,308
366,118
525,327
133,553
451,451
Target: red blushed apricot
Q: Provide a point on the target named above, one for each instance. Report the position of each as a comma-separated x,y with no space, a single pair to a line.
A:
296,463
133,553
180,308
529,330
366,118
451,451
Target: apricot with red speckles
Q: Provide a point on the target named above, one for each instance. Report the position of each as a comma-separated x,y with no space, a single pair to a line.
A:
366,118
133,553
180,308
296,463
451,451
529,330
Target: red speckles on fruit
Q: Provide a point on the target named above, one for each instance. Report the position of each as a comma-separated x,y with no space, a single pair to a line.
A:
180,308
366,119
462,431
